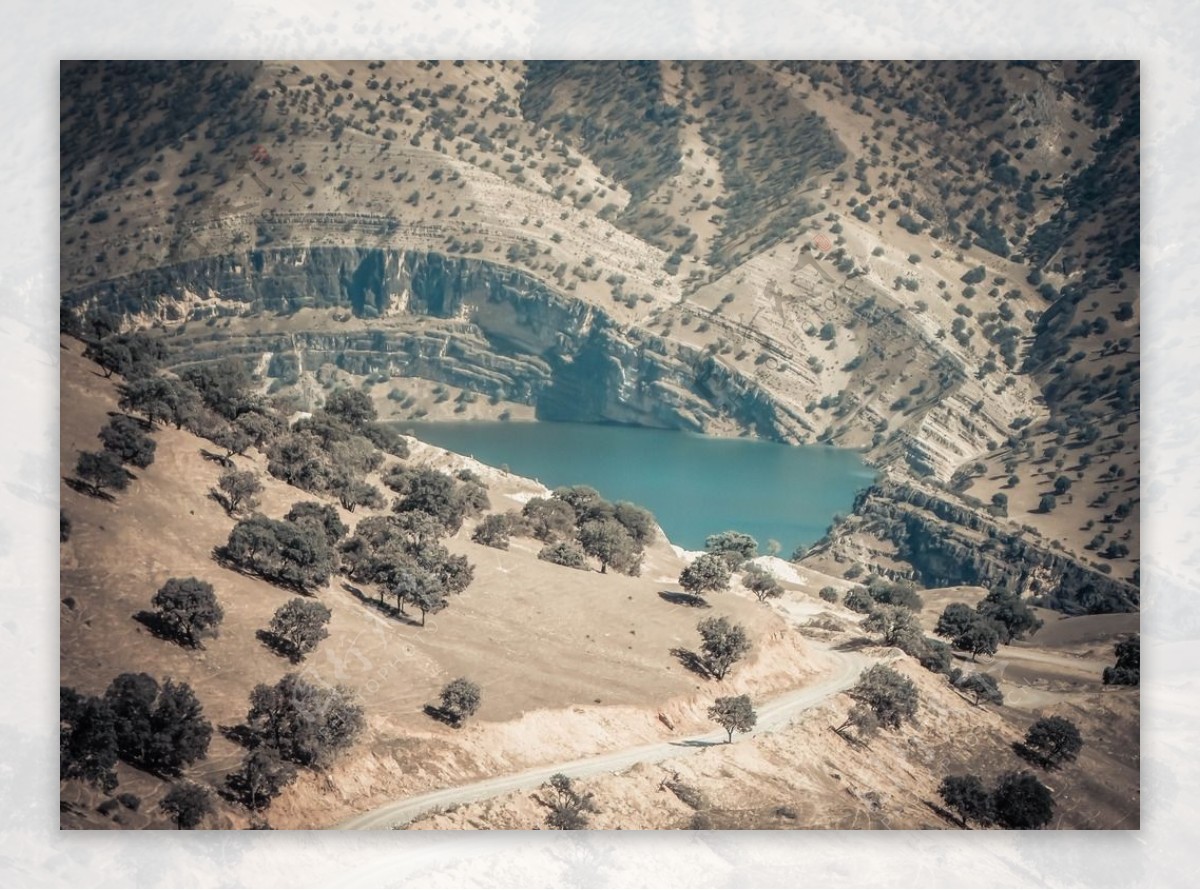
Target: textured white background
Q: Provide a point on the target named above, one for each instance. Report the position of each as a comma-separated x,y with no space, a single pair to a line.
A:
37,35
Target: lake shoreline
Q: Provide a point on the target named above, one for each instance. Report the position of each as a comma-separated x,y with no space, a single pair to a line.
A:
696,484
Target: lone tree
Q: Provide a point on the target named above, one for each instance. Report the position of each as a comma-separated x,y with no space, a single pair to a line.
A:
707,572
101,470
722,643
461,699
125,438
300,624
188,610
889,695
983,687
761,583
609,541
1055,740
969,797
981,638
187,804
260,778
1020,801
1128,669
734,548
569,810
733,713
240,490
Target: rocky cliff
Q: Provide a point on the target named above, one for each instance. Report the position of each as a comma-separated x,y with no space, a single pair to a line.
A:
948,544
474,324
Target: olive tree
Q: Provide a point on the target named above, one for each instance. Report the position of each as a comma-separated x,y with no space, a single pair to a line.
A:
125,438
762,583
1128,669
733,713
967,796
608,541
101,470
1020,801
723,644
733,547
460,699
569,808
891,696
1055,740
187,804
706,572
188,610
982,687
262,775
300,625
239,490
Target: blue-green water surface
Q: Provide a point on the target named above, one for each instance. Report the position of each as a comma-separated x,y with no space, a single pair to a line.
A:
695,485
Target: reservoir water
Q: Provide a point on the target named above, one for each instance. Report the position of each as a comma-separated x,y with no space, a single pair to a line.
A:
695,485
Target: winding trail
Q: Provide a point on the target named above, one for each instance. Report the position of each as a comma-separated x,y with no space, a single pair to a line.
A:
774,714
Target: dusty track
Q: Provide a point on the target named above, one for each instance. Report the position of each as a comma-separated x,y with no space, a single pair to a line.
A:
772,715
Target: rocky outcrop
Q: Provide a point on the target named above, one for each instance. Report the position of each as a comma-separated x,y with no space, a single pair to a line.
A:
948,543
484,327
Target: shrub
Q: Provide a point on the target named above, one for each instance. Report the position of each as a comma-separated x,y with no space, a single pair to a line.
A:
564,553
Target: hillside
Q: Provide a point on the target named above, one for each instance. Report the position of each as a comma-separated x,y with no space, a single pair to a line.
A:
933,263
929,261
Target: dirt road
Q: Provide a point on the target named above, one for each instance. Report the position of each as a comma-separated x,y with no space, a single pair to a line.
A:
772,715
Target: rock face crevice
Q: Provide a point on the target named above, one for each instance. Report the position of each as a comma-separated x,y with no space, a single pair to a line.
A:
467,322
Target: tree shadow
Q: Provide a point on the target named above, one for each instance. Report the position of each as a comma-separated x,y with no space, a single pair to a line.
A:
153,622
240,734
850,740
692,662
1032,757
83,488
695,743
220,558
855,645
678,598
221,499
442,715
943,813
278,645
219,459
380,606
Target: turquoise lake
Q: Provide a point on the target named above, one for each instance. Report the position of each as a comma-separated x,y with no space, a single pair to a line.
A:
695,485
